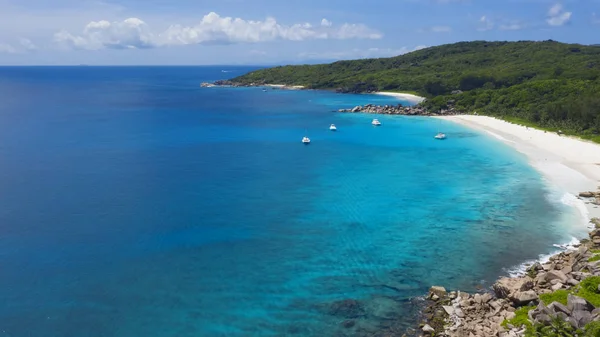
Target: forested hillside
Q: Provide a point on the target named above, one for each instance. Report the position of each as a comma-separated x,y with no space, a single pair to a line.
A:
549,84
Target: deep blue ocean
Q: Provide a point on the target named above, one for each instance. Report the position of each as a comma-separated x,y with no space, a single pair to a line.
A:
135,203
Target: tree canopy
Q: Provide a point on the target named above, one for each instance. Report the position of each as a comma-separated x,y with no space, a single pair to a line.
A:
547,83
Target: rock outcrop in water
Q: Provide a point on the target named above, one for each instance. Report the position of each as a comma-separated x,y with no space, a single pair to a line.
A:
399,109
563,293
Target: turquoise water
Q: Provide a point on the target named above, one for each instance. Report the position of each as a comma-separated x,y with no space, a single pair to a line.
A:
134,203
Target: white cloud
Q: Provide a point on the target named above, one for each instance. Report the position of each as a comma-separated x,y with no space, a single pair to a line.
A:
132,33
24,45
27,44
555,10
485,24
557,16
358,53
7,48
326,23
212,29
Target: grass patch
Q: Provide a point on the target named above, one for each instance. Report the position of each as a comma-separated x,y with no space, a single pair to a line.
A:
588,289
520,318
592,329
559,296
595,251
594,258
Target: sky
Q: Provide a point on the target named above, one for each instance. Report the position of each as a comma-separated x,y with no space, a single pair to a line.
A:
257,32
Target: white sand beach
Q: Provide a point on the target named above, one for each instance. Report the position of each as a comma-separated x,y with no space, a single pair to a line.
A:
414,99
567,162
284,86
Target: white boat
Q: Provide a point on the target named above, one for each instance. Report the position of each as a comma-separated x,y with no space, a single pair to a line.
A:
332,127
376,122
440,136
306,140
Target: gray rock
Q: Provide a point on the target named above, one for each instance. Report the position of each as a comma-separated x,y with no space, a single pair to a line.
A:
439,291
575,303
556,275
496,306
559,307
527,285
536,266
500,290
543,318
567,270
579,318
540,310
427,328
572,282
524,297
562,316
557,286
448,309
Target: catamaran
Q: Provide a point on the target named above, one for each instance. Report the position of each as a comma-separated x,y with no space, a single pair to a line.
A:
306,140
332,127
376,122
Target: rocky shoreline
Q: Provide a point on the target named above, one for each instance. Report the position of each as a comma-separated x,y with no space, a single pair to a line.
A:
399,109
561,296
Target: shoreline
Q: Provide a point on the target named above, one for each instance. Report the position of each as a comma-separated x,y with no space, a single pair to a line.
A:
572,165
569,163
413,99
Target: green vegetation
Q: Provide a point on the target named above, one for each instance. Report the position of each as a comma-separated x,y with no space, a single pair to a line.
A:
592,329
559,296
557,328
588,289
596,256
547,84
560,328
520,318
